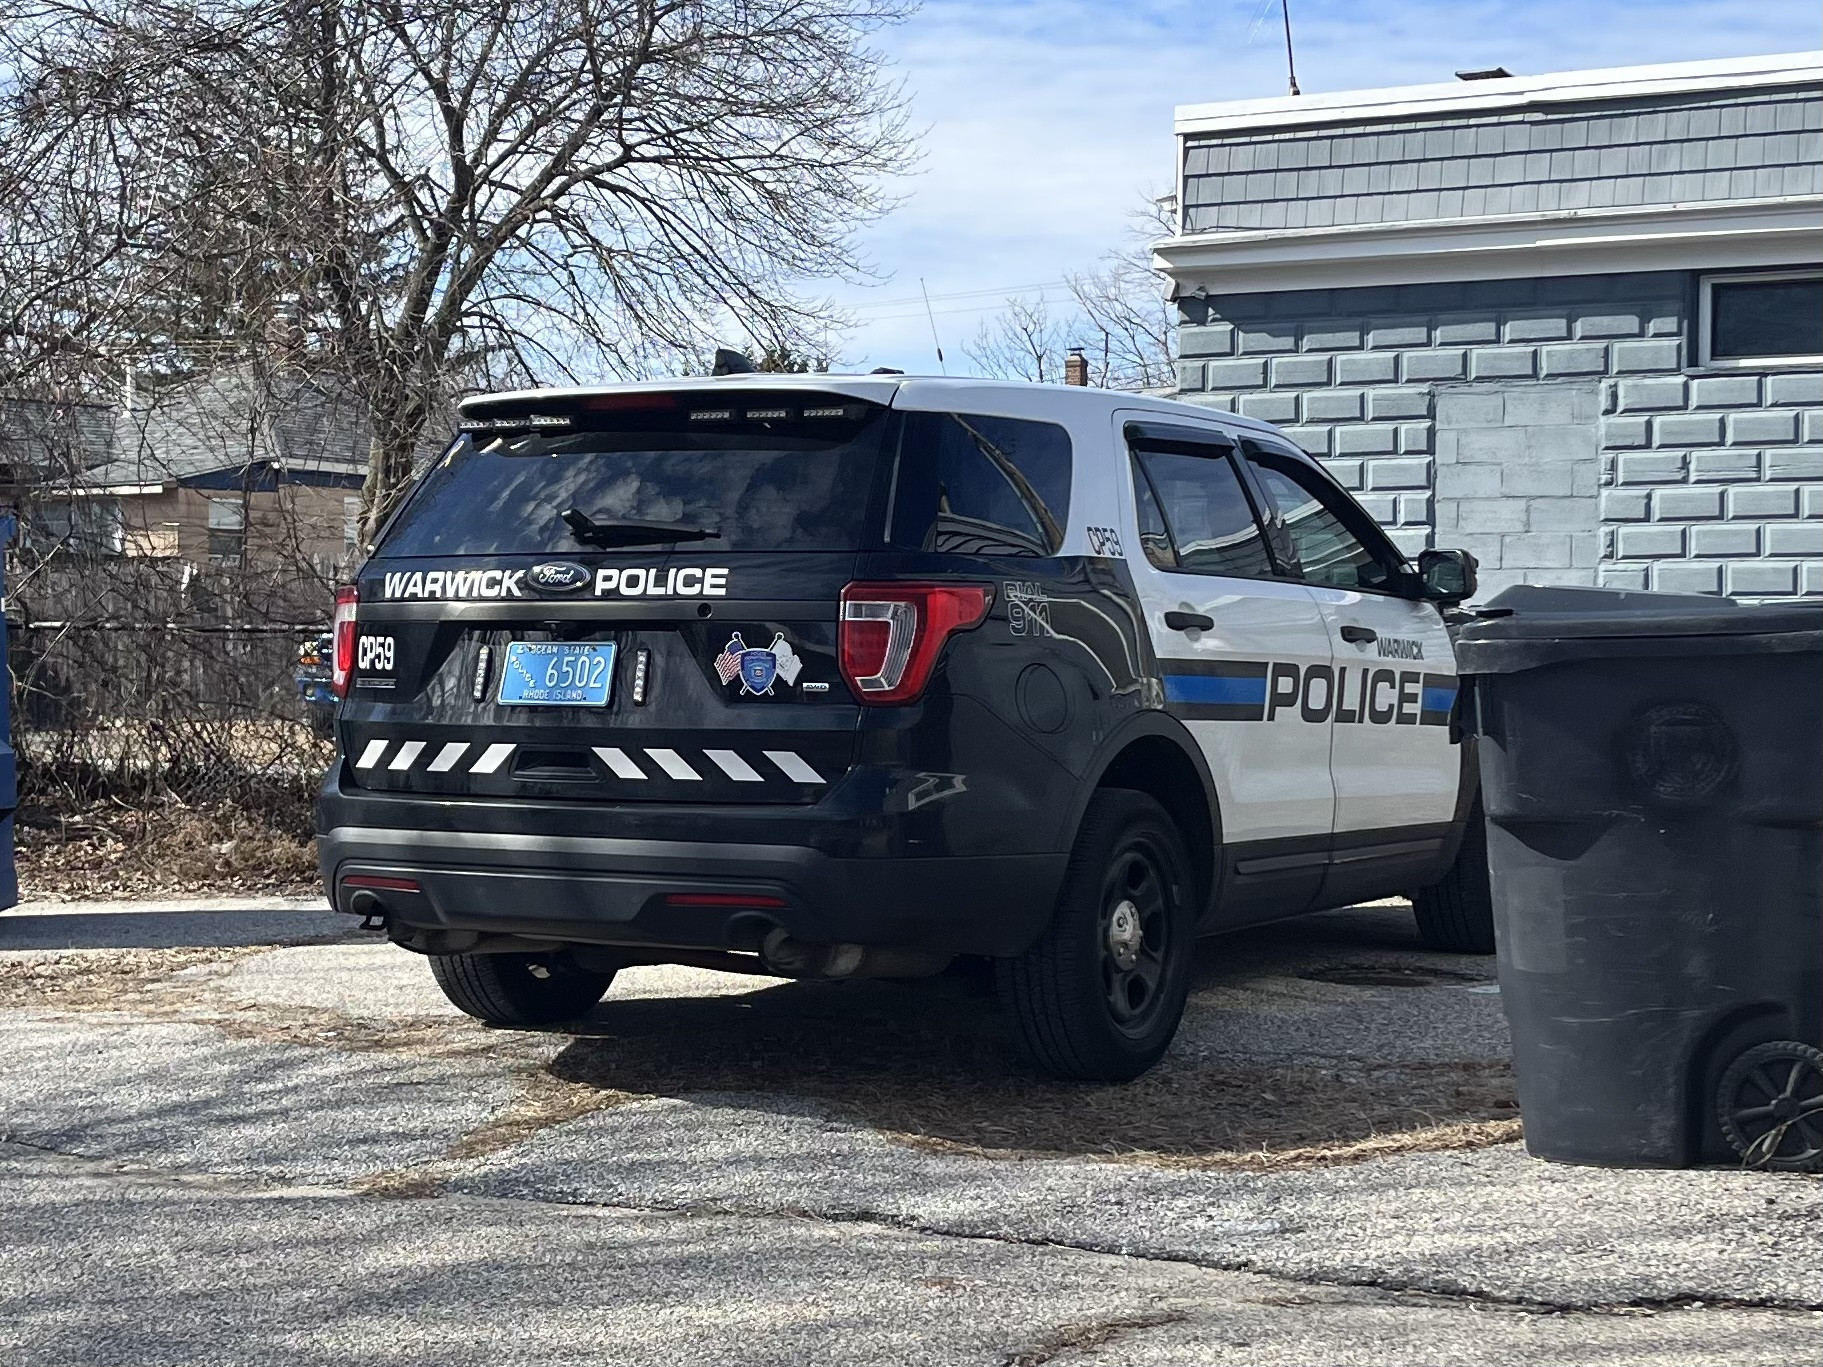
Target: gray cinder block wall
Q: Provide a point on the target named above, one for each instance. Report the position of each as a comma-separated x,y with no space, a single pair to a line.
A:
1556,427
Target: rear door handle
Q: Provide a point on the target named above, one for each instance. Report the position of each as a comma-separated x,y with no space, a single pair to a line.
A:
1359,636
1189,621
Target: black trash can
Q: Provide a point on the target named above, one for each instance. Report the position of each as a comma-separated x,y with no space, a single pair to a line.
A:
1652,772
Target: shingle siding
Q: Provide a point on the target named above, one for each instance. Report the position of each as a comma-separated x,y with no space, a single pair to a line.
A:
1609,459
1755,144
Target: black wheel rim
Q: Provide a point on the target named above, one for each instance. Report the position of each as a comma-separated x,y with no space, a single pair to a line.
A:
1135,937
1775,1109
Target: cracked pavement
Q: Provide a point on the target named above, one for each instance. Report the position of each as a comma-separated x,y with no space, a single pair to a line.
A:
301,1154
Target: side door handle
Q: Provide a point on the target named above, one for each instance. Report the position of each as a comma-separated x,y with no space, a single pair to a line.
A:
1189,621
1359,636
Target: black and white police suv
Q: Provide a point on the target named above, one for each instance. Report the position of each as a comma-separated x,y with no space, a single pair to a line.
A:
853,676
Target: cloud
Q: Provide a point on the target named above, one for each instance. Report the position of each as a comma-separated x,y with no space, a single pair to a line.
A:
1049,122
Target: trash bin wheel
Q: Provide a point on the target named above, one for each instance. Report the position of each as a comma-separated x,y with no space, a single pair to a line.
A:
1457,914
518,989
1099,997
1770,1103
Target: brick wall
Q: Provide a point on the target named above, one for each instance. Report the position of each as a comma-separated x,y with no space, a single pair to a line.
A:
1555,427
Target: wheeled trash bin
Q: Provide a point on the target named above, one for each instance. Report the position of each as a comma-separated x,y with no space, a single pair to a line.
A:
1652,773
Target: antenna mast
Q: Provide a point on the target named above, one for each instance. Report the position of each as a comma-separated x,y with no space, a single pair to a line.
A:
1291,66
932,319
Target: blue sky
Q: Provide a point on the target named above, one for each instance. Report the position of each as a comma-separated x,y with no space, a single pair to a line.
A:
1048,121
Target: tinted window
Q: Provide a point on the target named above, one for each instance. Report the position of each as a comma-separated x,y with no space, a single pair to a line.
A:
1766,318
1329,552
982,486
1154,539
1211,522
766,484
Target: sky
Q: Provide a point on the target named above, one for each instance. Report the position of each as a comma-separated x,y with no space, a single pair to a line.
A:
1047,123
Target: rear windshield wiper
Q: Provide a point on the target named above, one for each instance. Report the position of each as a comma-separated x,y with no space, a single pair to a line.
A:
628,532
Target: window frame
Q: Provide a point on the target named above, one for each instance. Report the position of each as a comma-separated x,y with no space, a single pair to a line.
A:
1353,517
1212,445
1705,320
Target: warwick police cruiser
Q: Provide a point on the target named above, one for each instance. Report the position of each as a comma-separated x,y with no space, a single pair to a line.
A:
829,676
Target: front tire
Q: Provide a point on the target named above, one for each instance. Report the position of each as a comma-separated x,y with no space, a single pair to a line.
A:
519,989
1456,915
1099,997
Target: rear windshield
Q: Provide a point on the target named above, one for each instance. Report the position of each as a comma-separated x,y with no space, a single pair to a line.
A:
798,474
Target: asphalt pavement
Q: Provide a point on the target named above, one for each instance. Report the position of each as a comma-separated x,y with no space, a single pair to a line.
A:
295,1151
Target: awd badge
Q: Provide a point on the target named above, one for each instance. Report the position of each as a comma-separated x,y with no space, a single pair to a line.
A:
757,668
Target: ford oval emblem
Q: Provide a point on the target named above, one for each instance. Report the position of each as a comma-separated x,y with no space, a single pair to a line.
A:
557,576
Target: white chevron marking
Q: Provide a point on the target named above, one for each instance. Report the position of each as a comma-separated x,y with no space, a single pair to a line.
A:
793,766
408,755
734,766
619,762
371,755
674,764
447,757
491,759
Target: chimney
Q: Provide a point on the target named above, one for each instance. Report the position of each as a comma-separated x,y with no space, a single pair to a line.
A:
1076,368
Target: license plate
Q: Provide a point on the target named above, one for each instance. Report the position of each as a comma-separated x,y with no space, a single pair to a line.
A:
557,674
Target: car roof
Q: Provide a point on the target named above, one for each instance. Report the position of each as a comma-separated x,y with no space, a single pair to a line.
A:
930,393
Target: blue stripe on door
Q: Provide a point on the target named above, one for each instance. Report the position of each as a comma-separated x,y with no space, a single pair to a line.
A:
1439,699
1213,688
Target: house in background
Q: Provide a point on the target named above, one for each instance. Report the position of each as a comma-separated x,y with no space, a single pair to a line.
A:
1573,323
242,463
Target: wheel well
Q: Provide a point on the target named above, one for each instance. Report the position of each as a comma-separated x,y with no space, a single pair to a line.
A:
1159,768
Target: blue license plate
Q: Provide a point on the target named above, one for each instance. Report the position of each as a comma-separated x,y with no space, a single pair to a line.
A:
557,674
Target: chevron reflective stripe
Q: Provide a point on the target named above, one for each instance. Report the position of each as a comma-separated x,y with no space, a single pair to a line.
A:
491,759
447,757
792,765
371,755
734,766
619,761
408,755
674,764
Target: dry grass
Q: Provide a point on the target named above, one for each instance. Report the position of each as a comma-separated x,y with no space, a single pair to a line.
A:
107,849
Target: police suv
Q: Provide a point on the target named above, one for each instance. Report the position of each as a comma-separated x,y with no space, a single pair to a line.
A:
832,676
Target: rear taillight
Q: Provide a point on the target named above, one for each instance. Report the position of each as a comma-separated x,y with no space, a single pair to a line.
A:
892,634
347,599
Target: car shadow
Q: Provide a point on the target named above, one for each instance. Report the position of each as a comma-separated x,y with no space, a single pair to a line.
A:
929,1061
55,931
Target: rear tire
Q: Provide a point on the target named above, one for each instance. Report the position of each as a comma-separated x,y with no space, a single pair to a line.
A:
1457,914
1099,997
519,989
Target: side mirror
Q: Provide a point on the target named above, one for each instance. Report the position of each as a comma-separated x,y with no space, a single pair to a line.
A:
1448,576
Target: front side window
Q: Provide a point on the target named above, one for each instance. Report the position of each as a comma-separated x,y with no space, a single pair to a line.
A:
1767,319
1207,514
1330,554
975,485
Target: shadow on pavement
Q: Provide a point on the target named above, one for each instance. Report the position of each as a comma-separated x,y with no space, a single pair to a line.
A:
53,930
1302,1035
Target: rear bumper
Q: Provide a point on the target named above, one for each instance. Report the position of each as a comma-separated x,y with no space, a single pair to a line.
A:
679,892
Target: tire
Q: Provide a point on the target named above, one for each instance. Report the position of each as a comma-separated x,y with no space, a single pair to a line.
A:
1770,1103
1456,915
1100,995
518,989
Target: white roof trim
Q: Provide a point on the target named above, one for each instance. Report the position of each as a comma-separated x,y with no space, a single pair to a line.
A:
107,490
1571,242
1416,101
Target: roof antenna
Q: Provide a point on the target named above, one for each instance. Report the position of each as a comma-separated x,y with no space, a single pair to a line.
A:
1291,66
932,318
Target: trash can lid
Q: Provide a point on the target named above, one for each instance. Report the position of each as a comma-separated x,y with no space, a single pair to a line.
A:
1531,625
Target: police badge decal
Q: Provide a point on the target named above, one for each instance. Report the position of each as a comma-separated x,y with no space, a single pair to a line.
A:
758,668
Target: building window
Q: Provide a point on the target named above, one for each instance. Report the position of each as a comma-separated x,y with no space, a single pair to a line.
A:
227,528
1761,319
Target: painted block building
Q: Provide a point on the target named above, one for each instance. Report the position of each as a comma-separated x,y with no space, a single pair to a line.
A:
1572,323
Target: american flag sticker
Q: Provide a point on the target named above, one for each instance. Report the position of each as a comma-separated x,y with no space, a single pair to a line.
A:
728,663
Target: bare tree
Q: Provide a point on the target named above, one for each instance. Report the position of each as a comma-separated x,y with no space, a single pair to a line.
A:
1118,316
436,189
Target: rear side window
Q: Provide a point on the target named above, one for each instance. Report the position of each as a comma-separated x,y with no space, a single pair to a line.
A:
976,485
793,474
1210,520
